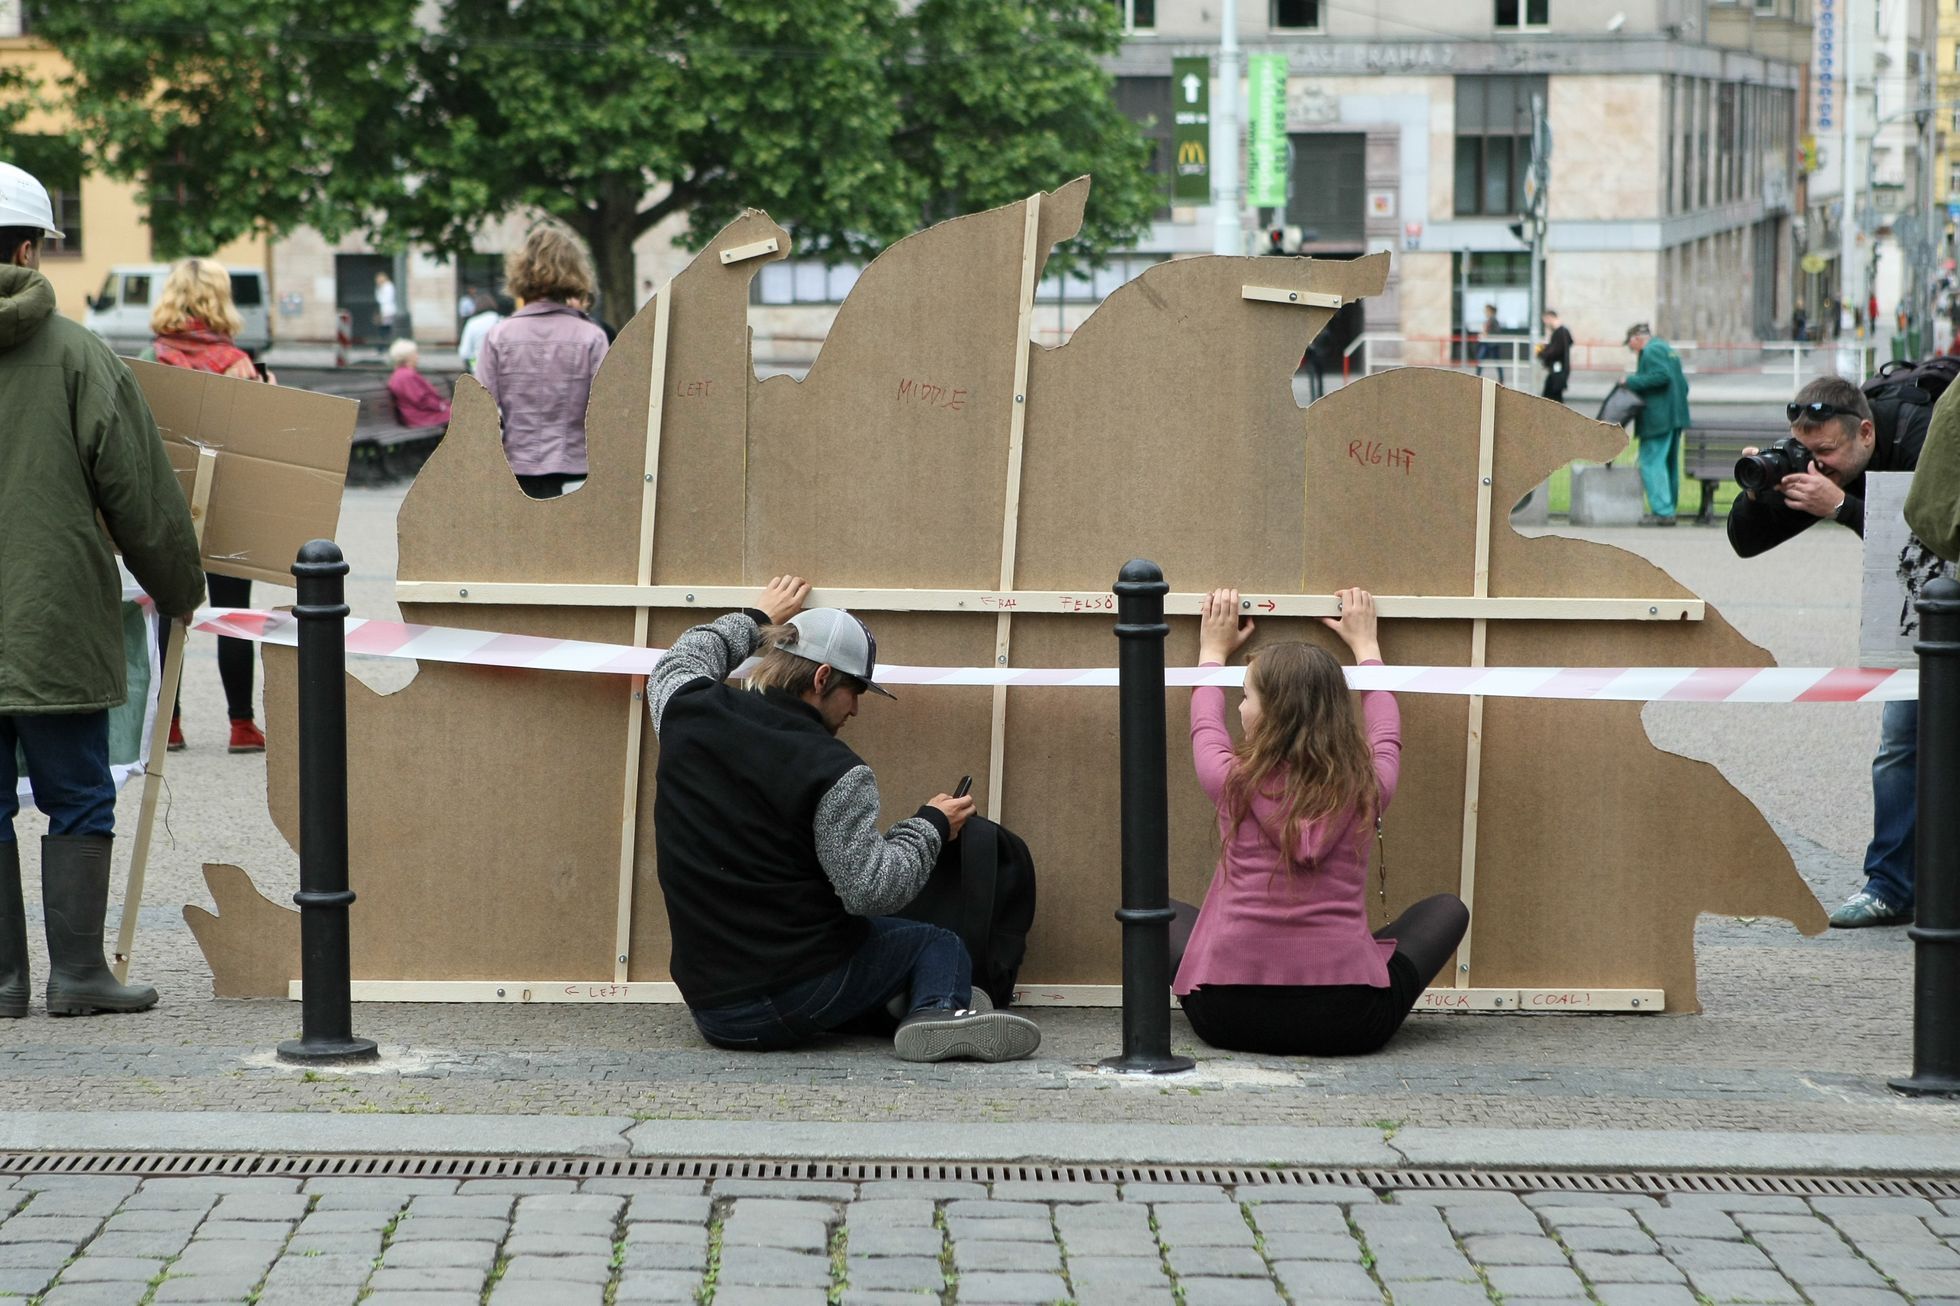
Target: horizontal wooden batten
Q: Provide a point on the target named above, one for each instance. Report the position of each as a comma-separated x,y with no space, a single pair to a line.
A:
605,992
1303,298
726,598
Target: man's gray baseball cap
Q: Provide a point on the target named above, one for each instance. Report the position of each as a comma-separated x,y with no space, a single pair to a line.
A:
835,637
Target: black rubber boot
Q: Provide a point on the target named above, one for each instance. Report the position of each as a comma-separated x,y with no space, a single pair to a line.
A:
13,937
75,898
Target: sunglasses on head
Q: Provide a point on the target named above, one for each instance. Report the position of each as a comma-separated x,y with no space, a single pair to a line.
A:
1815,411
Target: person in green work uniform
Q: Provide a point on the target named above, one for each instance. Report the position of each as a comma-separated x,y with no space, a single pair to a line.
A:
1663,415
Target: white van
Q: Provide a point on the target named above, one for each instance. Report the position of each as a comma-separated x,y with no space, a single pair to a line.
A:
121,313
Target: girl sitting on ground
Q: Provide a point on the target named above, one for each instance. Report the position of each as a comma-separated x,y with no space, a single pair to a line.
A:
1281,960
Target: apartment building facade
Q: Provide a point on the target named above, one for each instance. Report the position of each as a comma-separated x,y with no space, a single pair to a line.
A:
1674,191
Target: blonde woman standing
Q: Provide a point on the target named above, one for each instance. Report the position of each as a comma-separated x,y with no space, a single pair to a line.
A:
196,324
538,363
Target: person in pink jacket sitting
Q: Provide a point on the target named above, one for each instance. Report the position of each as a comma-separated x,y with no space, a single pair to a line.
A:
417,402
1281,960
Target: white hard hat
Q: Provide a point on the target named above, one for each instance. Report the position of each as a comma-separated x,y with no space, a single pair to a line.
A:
24,202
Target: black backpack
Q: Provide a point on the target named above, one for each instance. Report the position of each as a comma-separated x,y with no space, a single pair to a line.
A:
982,889
1902,395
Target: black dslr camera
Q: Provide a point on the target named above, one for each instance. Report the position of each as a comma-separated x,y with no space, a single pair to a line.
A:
1756,472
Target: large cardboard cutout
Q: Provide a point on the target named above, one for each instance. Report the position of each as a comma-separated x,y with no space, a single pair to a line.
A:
502,819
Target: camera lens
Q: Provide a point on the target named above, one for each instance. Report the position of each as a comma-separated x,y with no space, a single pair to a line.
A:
1754,473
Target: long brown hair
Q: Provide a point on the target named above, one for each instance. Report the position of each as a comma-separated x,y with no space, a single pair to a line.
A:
1307,750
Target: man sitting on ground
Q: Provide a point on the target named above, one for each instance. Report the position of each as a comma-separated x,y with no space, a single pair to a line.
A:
771,862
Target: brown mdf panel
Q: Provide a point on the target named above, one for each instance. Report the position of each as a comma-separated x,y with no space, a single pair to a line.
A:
701,523
1166,428
886,465
251,942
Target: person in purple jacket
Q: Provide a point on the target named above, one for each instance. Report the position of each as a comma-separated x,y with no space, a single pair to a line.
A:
538,363
1281,960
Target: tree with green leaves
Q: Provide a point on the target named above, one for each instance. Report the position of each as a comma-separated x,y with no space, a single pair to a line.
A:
852,121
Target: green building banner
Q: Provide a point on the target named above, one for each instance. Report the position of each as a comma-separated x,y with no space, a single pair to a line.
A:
1191,129
1265,181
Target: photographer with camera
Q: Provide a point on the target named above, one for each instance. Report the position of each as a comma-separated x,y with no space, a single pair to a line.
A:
1818,473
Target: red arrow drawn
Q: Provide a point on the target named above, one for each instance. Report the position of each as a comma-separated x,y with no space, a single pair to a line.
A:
1268,605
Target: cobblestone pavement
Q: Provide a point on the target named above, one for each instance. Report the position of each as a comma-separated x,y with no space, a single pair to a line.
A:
83,1241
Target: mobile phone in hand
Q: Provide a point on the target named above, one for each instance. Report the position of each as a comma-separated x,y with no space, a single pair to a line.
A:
964,786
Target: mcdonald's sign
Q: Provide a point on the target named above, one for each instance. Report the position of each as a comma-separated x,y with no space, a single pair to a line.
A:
1191,129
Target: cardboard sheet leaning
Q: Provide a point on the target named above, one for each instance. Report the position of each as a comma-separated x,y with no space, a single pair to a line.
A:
502,846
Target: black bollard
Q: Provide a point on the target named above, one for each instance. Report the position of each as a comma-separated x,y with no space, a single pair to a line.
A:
326,999
1146,911
1935,931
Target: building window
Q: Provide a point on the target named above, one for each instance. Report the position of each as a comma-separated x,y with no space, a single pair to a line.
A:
67,197
1522,14
1083,286
803,281
1138,15
1953,180
1296,15
1493,142
1146,101
1766,7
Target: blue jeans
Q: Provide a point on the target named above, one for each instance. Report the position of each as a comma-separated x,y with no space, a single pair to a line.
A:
68,760
1660,472
1895,806
899,956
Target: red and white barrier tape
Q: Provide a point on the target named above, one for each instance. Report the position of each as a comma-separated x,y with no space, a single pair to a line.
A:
484,648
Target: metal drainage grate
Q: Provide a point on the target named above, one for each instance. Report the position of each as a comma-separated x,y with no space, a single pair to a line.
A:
181,1165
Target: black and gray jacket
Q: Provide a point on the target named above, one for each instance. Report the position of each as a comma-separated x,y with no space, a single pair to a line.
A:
766,827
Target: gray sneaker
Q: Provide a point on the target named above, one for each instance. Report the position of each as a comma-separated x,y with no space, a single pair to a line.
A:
1867,908
901,1003
941,1035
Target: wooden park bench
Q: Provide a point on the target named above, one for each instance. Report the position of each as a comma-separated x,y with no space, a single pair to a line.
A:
384,450
1711,449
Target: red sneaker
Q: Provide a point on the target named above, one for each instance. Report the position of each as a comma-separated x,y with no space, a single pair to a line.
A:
246,738
176,744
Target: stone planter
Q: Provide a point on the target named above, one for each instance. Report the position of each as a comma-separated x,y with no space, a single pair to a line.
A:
1606,496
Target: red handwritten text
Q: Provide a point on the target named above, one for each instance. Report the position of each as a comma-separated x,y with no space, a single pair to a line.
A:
1092,603
1372,453
1576,999
931,394
693,389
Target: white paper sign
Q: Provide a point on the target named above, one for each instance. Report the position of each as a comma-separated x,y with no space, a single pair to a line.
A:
1897,567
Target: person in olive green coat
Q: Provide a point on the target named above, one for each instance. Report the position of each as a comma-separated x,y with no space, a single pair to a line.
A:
78,446
1663,415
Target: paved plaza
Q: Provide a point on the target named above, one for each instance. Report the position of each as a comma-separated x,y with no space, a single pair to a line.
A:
1783,1071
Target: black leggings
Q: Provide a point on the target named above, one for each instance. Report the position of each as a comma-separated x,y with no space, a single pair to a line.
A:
1330,1020
234,655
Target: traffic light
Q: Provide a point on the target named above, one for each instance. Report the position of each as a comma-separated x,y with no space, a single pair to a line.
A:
1276,241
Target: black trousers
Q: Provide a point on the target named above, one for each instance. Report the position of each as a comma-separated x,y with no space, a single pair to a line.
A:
1555,384
234,655
1333,1020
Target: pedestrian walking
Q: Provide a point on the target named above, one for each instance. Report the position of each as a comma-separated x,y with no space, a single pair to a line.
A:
1663,389
196,325
385,308
1486,346
1556,355
79,452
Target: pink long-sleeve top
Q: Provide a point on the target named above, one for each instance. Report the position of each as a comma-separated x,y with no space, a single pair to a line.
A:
1263,922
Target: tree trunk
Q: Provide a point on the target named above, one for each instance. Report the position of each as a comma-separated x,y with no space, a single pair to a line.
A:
609,231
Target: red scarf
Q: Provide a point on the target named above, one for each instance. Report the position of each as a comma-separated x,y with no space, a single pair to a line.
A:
198,347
